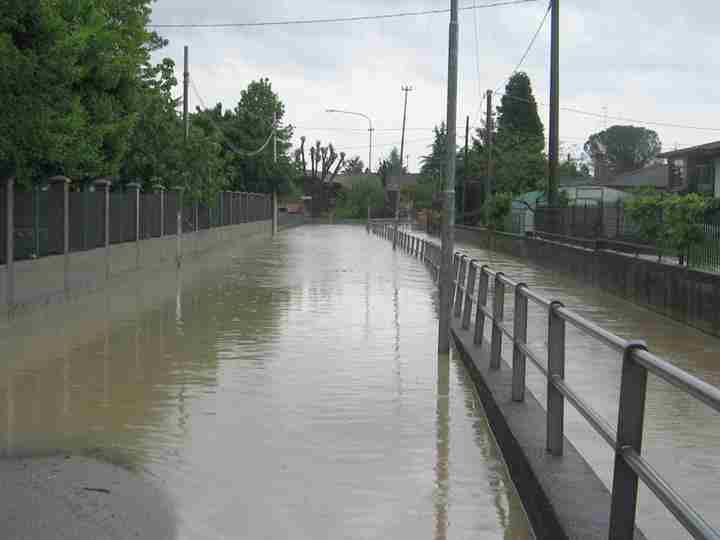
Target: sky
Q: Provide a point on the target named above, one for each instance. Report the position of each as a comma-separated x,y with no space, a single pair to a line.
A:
646,60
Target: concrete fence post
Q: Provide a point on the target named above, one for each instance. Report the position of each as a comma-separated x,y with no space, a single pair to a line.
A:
102,185
556,370
469,292
10,244
631,417
59,223
134,190
498,314
160,190
460,287
519,336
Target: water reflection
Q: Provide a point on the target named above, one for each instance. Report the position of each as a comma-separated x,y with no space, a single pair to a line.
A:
263,397
442,465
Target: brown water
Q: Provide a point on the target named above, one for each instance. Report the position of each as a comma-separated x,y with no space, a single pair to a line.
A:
285,388
682,435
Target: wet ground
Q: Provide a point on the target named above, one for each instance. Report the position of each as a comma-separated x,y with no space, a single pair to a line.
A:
285,388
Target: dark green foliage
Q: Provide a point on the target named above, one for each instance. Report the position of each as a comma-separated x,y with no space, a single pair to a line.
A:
365,191
626,148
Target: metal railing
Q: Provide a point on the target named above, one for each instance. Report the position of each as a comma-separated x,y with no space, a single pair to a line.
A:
471,291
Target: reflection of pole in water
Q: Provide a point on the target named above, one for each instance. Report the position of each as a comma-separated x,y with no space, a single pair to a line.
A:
106,356
10,396
178,299
442,452
396,324
367,305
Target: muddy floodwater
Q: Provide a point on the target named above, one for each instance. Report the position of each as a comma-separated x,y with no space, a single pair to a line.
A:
285,388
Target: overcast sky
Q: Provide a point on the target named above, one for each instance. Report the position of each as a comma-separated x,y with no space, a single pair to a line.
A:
650,60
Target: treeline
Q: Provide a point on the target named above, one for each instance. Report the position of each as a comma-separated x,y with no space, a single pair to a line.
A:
82,97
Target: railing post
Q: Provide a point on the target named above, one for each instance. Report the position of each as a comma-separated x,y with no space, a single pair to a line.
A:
498,313
483,287
631,415
519,336
460,287
556,369
469,291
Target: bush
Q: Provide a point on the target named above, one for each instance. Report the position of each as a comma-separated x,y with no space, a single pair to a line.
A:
496,209
364,192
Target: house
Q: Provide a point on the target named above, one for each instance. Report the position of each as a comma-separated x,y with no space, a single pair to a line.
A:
653,176
695,169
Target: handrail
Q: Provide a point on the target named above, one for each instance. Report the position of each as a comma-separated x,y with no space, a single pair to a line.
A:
626,438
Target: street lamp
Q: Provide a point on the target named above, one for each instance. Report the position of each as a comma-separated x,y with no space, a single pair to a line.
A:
370,129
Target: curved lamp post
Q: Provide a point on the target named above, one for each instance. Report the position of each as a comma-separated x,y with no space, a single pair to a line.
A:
370,129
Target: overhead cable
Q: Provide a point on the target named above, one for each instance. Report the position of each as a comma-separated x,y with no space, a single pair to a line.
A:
528,49
243,153
339,19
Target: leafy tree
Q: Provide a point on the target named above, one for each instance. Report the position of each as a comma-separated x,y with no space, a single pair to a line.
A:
354,165
364,192
247,128
520,163
389,166
434,164
69,80
625,148
424,192
496,209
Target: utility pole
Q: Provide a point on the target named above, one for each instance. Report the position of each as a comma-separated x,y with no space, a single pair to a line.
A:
186,96
274,194
405,89
554,132
463,202
489,144
448,222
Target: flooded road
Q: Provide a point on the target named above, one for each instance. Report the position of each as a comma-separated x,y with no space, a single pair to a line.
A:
682,435
291,389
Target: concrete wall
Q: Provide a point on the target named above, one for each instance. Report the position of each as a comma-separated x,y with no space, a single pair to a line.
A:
44,281
686,295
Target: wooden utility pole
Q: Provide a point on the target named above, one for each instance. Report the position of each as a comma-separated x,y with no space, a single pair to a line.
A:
463,202
448,222
489,184
186,96
554,131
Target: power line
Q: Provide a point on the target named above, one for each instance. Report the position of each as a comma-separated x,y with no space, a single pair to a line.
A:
340,19
234,148
529,47
619,118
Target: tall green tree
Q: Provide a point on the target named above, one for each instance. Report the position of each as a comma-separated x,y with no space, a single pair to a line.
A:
247,128
434,164
70,77
624,148
390,166
520,162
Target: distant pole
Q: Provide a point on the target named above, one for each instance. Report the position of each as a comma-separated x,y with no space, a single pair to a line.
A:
463,203
186,96
554,132
405,89
370,129
448,222
274,194
489,143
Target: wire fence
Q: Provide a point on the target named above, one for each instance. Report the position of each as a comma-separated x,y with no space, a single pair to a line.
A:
613,228
39,220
